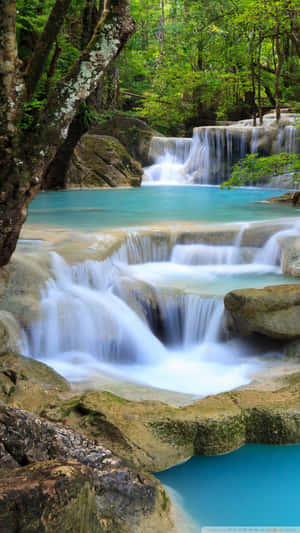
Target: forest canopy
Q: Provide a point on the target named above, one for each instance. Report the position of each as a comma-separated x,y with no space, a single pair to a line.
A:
189,63
196,62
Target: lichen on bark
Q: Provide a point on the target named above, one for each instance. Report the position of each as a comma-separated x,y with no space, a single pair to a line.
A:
25,155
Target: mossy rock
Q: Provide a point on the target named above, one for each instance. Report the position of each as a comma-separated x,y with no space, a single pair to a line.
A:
27,383
102,161
133,133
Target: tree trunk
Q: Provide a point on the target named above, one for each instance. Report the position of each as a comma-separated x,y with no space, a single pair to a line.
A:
277,73
42,50
260,114
25,155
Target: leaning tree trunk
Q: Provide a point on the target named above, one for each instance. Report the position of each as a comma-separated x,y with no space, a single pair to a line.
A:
24,156
277,73
55,175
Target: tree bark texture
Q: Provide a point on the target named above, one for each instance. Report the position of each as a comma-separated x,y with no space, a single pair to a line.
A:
25,155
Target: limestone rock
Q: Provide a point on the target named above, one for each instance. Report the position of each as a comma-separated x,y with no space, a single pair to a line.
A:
28,383
133,133
289,198
272,311
291,257
102,161
154,436
20,285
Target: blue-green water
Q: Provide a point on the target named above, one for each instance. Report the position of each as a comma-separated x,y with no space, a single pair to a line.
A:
94,209
256,485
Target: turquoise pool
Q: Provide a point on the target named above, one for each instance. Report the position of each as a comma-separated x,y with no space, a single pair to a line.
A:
254,486
95,209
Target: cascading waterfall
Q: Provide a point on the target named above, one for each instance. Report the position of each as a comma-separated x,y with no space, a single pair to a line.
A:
208,157
88,324
202,254
190,319
270,253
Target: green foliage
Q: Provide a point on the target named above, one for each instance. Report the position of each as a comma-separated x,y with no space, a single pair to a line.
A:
30,111
189,63
253,169
87,115
196,61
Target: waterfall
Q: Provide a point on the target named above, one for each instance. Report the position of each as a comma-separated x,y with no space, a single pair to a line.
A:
144,248
202,319
95,317
202,254
208,254
190,319
208,157
175,149
78,316
270,253
169,156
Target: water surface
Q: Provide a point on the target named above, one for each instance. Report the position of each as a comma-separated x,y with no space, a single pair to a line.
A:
257,485
95,209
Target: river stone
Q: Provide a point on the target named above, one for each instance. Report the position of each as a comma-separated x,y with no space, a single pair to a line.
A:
124,500
272,311
102,161
133,133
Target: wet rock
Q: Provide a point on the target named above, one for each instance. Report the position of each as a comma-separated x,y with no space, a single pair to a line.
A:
272,311
291,257
124,500
290,198
102,161
4,336
292,349
133,133
20,285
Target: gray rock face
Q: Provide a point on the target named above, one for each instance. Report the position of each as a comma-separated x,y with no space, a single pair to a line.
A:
124,498
102,161
46,497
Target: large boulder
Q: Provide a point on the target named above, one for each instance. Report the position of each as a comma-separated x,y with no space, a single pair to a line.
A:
133,133
102,161
50,496
122,500
272,311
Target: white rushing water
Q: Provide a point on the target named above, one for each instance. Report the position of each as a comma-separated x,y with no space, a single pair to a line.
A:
85,327
150,314
208,156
